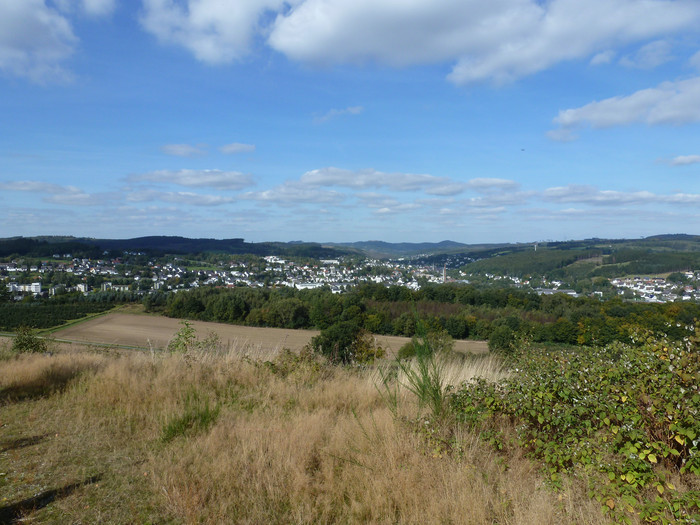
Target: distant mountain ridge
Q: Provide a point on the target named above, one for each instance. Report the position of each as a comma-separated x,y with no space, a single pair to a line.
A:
46,246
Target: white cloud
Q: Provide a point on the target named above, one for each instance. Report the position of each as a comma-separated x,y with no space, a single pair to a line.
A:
37,187
685,160
604,57
35,40
333,113
669,103
214,31
294,193
695,60
649,56
237,147
591,195
222,180
370,178
57,194
179,197
80,198
486,185
99,7
183,150
499,40
562,135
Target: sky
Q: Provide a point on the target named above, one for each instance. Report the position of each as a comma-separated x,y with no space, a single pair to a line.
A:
350,120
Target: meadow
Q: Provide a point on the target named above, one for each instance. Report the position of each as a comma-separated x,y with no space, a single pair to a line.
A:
237,432
240,434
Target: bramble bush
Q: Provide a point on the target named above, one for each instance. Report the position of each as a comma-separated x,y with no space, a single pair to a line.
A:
627,415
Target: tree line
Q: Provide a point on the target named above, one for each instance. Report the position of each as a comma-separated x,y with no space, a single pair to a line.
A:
501,316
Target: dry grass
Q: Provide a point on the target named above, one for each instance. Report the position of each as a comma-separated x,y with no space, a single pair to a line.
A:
255,437
146,331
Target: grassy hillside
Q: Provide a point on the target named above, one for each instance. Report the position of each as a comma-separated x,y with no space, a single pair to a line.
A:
231,437
236,435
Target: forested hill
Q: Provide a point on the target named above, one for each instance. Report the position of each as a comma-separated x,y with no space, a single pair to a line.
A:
158,245
381,249
591,258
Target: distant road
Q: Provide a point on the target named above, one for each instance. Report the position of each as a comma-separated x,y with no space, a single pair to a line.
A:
146,331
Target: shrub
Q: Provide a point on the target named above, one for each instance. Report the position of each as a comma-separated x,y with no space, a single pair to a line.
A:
629,416
407,351
345,342
502,340
26,341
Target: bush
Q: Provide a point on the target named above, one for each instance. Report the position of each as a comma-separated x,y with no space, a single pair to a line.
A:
407,351
345,342
26,341
629,416
502,340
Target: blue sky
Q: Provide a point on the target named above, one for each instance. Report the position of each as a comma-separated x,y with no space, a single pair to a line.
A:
348,120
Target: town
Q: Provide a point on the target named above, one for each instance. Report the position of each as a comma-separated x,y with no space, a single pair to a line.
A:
138,273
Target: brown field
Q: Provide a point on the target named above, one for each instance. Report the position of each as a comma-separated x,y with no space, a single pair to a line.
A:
154,332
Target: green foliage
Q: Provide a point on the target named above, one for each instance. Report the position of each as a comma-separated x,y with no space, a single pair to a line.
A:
186,340
407,351
502,340
197,416
460,310
627,415
346,342
46,314
26,341
424,375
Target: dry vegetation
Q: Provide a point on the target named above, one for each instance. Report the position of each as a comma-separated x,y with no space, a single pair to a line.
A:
146,331
243,436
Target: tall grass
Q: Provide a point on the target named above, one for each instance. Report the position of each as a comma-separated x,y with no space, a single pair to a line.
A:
247,435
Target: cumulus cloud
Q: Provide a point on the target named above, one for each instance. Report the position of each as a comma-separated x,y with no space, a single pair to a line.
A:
498,40
294,193
36,187
604,57
480,185
370,178
695,60
685,160
183,150
585,194
99,7
57,194
333,113
214,31
487,185
649,56
179,197
672,103
237,147
35,40
218,179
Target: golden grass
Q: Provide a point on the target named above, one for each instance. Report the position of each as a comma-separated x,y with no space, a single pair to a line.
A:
286,440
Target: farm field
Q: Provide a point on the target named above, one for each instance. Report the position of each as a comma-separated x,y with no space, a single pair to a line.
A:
152,331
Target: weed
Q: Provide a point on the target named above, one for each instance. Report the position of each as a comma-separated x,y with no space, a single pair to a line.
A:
198,416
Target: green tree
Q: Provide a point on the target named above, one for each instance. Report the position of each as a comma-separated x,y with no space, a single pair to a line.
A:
26,341
346,342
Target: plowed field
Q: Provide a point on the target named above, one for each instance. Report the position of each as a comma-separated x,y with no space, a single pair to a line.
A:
146,331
